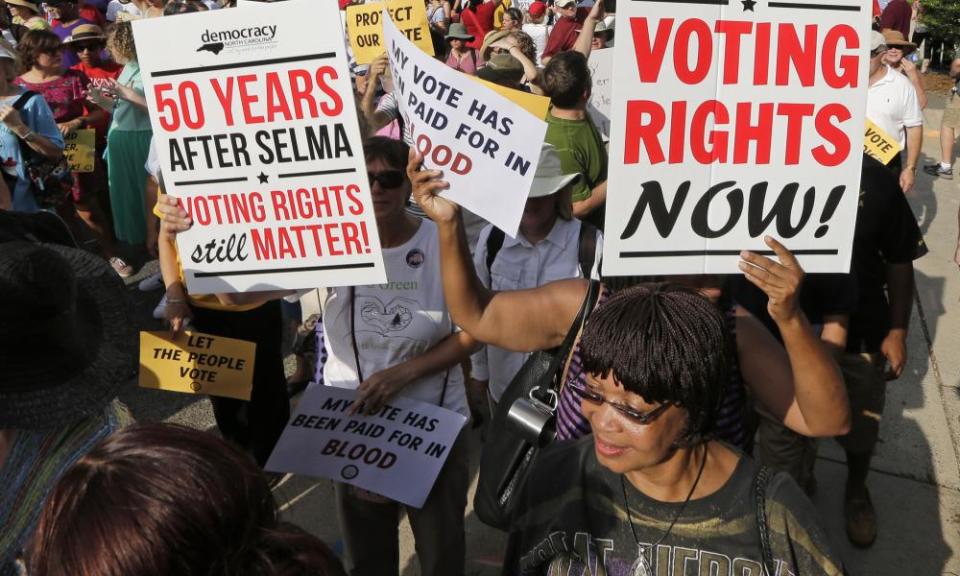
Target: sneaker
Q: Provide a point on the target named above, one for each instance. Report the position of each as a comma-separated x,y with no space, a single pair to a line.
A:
151,283
160,312
939,171
861,519
122,269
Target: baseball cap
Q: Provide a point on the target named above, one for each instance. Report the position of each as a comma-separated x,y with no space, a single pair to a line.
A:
537,9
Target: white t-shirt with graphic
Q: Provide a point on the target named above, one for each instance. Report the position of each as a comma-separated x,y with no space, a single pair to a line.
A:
394,322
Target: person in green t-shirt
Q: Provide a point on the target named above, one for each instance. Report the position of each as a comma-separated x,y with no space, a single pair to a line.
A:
566,80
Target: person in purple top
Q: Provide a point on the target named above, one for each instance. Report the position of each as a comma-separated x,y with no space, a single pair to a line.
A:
65,17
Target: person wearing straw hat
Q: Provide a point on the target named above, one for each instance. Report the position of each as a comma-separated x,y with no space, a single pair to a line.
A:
27,14
896,57
460,56
892,104
67,348
552,245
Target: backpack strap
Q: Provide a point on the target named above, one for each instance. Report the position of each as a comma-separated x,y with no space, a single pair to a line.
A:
23,99
587,248
494,243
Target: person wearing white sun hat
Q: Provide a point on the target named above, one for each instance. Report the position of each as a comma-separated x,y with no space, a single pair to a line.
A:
551,245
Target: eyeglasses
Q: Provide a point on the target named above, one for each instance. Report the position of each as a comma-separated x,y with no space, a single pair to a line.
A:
597,399
387,178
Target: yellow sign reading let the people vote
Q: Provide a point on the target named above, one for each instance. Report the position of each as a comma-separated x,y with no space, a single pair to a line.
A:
365,28
197,363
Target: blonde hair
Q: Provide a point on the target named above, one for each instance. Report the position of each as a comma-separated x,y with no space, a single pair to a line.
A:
120,42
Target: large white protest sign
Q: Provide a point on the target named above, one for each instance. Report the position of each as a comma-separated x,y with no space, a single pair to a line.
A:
397,452
732,120
487,146
601,72
255,126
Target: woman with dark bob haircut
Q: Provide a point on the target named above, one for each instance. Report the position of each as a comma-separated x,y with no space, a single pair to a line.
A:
163,500
651,488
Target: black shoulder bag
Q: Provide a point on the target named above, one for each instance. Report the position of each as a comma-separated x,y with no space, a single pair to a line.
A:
522,425
50,180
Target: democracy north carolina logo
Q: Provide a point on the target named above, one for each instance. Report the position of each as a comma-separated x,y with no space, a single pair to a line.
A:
217,41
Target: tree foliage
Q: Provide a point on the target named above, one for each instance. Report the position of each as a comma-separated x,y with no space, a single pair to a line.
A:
942,18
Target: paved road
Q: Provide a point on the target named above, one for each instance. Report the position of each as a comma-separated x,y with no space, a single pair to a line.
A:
916,478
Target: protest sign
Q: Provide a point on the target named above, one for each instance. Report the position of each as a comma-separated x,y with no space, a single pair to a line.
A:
532,103
878,144
601,71
365,27
397,452
256,130
732,120
197,363
487,146
79,147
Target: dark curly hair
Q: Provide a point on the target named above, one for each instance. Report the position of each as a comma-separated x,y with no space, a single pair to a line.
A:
665,343
160,499
33,44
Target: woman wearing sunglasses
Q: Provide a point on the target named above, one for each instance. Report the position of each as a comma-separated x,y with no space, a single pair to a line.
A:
386,340
650,491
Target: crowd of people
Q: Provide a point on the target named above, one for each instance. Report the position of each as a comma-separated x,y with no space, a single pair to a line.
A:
689,407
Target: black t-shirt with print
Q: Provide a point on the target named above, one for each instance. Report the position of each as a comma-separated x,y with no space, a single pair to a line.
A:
573,521
886,232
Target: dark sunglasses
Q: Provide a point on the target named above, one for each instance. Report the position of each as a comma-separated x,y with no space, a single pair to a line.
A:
597,399
387,178
83,47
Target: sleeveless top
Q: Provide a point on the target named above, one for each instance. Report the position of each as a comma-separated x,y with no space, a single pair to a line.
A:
729,426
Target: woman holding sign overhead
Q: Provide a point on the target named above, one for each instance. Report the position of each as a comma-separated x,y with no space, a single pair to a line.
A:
798,383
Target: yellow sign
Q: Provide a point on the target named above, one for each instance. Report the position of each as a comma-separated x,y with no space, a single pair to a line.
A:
79,148
878,144
197,363
532,103
365,29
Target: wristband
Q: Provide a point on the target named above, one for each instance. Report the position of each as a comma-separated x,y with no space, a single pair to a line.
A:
26,137
175,301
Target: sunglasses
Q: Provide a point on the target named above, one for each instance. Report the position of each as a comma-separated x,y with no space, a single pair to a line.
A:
387,178
82,47
597,399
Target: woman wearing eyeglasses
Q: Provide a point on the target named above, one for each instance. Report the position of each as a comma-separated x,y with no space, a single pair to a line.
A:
650,492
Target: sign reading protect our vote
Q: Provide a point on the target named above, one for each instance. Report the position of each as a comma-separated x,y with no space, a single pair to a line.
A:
397,452
257,134
878,144
365,27
487,146
732,120
195,363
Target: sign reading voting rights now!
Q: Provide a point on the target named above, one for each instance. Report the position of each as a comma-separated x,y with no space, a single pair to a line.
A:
732,120
397,452
255,125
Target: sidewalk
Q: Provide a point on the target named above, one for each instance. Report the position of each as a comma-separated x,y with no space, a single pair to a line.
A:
915,482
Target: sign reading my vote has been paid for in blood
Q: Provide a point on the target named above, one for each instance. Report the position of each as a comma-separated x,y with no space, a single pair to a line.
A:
397,452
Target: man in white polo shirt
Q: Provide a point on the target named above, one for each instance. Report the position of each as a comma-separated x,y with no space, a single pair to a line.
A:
892,105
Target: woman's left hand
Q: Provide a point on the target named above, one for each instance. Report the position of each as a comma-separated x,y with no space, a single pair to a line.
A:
378,389
780,281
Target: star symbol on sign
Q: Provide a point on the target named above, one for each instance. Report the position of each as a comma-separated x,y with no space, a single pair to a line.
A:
748,5
262,178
